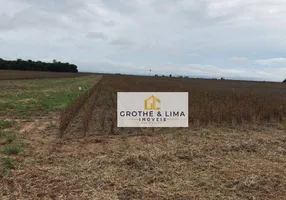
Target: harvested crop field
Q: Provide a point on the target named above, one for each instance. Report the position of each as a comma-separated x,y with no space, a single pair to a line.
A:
14,75
215,158
214,101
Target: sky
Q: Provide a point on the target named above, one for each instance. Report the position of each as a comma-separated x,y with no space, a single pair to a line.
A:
237,39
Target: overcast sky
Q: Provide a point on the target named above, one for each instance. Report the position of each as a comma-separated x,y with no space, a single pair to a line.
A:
200,38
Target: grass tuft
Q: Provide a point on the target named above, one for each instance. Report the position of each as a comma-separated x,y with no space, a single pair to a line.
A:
10,137
2,134
3,172
140,162
13,149
8,163
5,124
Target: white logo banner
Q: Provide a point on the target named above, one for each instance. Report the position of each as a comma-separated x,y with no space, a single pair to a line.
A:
152,109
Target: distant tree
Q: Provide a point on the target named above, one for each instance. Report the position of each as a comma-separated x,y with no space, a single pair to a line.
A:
186,77
156,74
180,76
222,78
170,75
30,65
284,81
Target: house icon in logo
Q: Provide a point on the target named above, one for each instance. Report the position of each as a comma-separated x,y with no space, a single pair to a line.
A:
151,103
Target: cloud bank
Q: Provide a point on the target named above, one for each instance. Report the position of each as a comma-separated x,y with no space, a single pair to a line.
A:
203,38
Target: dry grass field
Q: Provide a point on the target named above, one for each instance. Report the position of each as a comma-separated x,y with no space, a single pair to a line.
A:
235,147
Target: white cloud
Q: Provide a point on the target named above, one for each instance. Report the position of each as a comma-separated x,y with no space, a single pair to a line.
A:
238,59
273,62
121,42
96,35
109,23
194,55
173,54
159,31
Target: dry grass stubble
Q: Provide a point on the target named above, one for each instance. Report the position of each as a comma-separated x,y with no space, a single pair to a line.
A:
186,164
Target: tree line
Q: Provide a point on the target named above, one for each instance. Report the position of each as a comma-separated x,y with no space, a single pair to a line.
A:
29,65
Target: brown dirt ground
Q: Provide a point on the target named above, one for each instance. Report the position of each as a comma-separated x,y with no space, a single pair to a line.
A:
194,163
